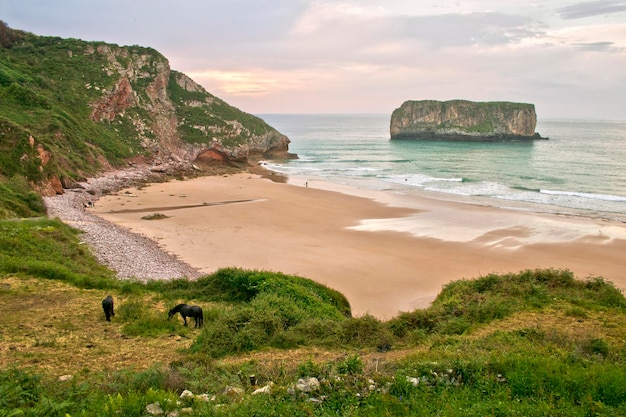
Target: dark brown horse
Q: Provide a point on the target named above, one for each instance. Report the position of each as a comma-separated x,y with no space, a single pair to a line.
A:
185,311
107,306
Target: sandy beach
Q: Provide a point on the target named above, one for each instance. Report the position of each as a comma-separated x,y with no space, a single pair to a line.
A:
387,253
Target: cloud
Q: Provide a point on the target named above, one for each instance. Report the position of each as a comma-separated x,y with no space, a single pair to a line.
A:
602,38
488,28
592,8
595,46
365,55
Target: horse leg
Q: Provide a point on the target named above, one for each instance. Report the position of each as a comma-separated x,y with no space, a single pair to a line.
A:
185,320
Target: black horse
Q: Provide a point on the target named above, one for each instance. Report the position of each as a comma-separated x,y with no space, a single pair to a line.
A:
185,311
107,306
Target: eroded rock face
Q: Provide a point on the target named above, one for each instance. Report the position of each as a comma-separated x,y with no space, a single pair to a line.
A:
183,123
463,120
137,110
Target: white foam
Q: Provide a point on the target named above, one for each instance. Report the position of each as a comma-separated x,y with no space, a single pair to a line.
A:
604,197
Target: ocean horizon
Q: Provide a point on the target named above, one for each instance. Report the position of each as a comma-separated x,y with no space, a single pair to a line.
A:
579,170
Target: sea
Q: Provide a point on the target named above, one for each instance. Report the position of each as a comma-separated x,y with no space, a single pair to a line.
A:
579,170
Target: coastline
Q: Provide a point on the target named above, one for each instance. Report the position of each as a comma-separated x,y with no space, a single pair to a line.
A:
386,253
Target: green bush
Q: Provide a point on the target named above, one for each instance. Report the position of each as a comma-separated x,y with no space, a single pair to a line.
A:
352,365
365,331
318,332
599,347
273,310
18,389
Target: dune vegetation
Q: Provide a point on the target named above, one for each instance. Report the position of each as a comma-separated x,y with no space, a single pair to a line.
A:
538,342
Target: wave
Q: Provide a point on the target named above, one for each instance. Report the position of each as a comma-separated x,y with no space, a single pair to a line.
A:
522,188
417,179
472,188
356,161
592,196
287,169
355,169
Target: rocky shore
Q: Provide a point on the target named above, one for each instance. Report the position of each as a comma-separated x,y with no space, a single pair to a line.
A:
130,254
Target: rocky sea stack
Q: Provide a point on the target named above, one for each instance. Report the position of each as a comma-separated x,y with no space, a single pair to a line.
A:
464,120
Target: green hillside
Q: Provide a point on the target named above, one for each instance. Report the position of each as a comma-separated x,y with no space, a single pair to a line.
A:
70,108
531,343
534,343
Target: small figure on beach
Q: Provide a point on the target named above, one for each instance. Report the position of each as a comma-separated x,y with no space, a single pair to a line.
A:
107,306
306,184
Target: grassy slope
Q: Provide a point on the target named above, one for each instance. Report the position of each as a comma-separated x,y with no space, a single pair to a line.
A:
533,343
48,86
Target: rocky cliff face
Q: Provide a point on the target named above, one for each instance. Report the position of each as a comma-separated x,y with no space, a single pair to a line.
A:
185,121
463,120
92,106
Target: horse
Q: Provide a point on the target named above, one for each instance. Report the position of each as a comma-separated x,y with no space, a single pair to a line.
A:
185,311
107,306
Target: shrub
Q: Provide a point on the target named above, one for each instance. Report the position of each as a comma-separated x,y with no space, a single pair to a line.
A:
598,347
604,293
310,369
18,389
426,320
365,331
352,365
318,331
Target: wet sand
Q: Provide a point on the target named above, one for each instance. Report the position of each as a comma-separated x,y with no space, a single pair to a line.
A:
386,253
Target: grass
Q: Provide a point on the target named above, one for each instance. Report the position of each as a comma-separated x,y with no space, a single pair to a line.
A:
49,88
18,200
531,363
532,343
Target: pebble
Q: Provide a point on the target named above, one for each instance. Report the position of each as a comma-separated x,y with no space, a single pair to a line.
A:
130,254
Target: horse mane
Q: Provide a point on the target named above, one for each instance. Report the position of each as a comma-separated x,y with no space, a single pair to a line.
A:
177,308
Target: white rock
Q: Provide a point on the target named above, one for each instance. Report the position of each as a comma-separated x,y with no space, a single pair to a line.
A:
412,380
264,390
308,384
154,409
186,394
205,397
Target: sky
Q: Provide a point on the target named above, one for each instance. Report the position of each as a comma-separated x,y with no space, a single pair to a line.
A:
568,58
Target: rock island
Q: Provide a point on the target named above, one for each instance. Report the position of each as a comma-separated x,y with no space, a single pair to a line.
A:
464,120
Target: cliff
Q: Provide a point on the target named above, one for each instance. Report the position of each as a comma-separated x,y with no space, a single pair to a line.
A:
463,120
70,109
